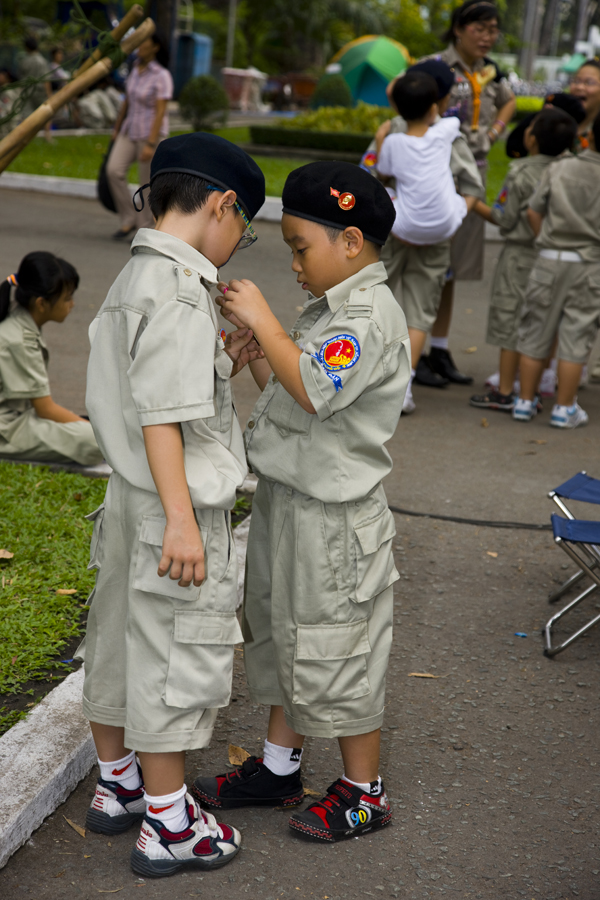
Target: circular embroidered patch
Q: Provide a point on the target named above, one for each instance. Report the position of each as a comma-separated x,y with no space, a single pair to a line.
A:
223,335
339,352
346,201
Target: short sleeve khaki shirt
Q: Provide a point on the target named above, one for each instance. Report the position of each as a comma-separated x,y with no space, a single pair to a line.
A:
509,210
157,357
568,197
23,365
355,367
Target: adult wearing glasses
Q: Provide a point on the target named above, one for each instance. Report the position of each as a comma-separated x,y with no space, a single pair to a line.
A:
485,104
142,123
585,85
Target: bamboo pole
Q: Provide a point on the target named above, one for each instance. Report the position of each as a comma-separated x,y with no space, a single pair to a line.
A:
130,19
19,137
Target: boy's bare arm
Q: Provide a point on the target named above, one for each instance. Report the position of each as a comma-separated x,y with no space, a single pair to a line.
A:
182,548
381,134
470,201
46,408
535,220
484,211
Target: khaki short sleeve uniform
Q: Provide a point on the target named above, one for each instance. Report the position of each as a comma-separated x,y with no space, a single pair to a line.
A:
317,618
564,294
158,657
23,378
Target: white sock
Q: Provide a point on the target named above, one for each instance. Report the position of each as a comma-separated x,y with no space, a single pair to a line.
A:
170,809
369,787
124,771
281,760
440,343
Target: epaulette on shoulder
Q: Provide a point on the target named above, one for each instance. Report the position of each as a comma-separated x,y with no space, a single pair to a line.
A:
360,303
188,285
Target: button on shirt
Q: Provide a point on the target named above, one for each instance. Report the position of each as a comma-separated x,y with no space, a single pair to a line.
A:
23,365
144,87
157,357
509,211
355,367
568,197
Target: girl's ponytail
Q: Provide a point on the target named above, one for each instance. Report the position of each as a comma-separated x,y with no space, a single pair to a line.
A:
40,274
5,296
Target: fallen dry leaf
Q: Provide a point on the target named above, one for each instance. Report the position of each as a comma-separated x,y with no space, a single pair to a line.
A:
491,553
310,793
470,350
75,826
424,675
538,442
116,891
13,660
6,554
485,423
87,856
237,755
59,874
66,592
77,496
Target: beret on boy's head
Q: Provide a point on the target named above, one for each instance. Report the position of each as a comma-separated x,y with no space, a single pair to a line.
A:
440,71
340,195
217,161
515,143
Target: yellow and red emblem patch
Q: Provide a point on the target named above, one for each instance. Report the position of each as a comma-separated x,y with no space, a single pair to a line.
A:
340,352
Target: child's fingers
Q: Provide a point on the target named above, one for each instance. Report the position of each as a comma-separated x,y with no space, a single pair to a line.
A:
198,573
163,566
187,575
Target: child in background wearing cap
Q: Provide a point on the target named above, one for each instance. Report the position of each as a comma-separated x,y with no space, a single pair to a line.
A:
159,645
318,609
549,134
563,293
417,270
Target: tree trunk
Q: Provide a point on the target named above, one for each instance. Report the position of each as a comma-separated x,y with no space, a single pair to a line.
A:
548,27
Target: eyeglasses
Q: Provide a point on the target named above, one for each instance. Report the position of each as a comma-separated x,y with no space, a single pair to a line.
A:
585,82
479,30
249,237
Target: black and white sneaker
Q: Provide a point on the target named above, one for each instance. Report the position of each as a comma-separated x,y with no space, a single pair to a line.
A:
115,809
251,784
346,811
493,399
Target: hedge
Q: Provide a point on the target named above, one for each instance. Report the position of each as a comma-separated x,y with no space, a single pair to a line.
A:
315,140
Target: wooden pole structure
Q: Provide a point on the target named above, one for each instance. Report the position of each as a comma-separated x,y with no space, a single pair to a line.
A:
19,137
128,21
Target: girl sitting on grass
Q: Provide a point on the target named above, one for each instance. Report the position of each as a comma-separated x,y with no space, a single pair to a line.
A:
32,425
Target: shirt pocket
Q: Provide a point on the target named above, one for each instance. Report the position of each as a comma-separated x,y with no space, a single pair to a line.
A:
201,659
222,399
287,415
146,576
330,663
374,562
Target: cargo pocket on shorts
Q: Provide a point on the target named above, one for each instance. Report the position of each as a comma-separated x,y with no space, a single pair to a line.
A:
287,415
97,518
201,660
330,663
539,288
149,555
223,400
375,569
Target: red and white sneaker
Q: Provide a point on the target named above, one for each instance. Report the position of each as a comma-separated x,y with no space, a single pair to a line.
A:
204,844
115,809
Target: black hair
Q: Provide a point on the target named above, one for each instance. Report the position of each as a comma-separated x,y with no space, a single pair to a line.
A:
554,131
471,11
414,94
594,61
40,274
30,43
178,190
56,50
10,75
596,132
163,53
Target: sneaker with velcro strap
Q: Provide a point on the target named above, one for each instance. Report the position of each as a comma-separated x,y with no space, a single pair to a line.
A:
115,809
251,784
204,844
346,811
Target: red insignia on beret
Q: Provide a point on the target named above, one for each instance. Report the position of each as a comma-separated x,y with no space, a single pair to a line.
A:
347,201
333,192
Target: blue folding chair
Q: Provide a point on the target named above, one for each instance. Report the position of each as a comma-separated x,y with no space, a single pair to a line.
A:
586,489
580,539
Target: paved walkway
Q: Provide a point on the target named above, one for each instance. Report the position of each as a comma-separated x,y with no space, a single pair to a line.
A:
493,767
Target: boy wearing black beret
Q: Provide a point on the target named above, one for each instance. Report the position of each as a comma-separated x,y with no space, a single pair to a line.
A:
317,618
160,636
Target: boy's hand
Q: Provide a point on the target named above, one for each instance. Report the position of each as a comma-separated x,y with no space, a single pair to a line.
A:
242,349
227,313
182,552
244,300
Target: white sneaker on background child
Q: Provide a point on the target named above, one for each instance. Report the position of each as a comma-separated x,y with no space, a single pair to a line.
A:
524,410
548,383
409,404
568,416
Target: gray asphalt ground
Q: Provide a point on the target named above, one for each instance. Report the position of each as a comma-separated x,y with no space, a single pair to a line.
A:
494,779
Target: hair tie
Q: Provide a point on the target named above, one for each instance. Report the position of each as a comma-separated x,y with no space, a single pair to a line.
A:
12,279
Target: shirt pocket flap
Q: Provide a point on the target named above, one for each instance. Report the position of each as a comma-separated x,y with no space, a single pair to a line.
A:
321,642
153,530
375,532
193,627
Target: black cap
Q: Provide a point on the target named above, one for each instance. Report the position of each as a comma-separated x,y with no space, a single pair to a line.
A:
515,146
440,71
340,194
216,160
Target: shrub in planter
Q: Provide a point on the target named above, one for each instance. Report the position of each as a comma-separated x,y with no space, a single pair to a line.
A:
204,103
365,118
332,90
527,105
338,141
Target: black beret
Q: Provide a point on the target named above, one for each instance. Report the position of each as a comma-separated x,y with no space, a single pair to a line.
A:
515,147
216,160
440,71
340,194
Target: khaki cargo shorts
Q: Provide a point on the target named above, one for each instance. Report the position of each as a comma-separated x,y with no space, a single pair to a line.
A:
158,657
509,286
564,297
318,609
416,276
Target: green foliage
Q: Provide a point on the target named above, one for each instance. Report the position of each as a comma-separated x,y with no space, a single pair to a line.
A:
365,118
204,103
332,90
527,105
339,141
43,524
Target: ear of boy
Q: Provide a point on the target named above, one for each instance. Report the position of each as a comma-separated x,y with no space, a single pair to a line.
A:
214,230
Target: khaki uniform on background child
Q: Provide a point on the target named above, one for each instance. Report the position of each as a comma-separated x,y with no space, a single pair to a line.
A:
159,649
563,293
318,607
549,135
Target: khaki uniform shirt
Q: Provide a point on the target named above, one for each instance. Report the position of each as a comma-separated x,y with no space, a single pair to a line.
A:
568,197
23,366
494,94
509,211
157,357
355,367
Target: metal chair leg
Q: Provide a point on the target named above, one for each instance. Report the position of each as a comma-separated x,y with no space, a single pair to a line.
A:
566,586
549,650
